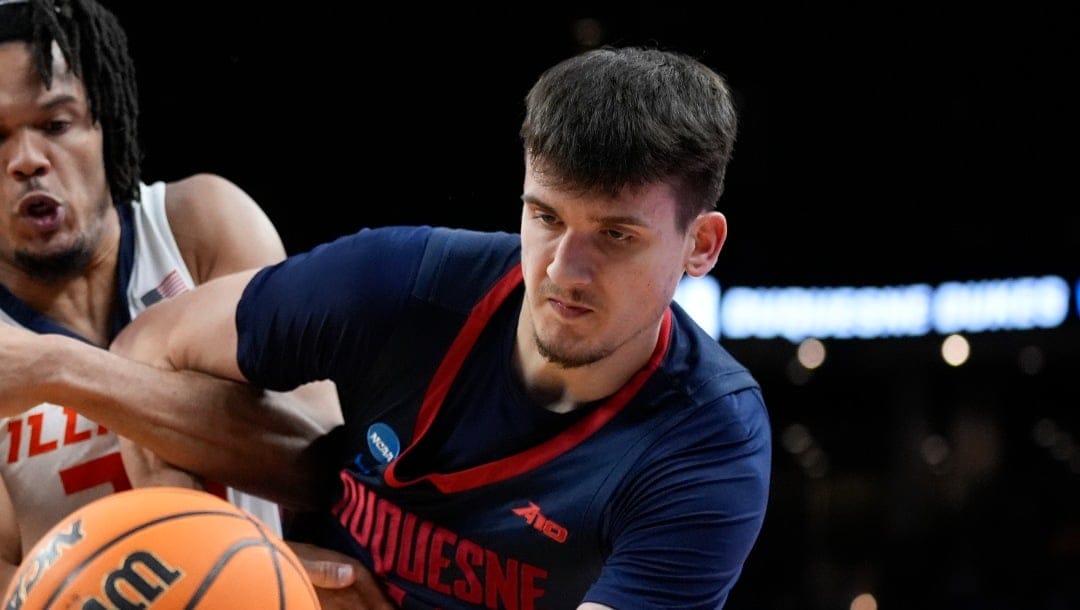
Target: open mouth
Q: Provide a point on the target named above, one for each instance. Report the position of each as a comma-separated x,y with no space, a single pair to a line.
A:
42,212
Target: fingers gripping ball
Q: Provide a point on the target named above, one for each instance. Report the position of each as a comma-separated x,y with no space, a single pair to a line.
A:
160,548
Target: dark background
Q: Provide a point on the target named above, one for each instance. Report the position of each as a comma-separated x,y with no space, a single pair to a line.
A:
878,146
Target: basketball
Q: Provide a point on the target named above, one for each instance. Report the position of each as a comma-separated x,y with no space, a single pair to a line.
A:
160,548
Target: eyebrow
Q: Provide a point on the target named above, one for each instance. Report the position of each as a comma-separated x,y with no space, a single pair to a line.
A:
609,220
62,99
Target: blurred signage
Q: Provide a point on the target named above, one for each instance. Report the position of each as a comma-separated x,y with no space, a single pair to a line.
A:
868,312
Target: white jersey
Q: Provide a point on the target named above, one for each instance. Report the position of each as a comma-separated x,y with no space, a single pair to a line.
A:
54,460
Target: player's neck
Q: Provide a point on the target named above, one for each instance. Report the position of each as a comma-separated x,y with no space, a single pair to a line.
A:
562,389
83,303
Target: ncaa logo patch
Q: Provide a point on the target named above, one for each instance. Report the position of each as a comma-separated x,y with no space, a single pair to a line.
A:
383,443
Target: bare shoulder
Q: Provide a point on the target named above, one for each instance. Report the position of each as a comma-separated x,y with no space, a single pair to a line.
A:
218,227
195,197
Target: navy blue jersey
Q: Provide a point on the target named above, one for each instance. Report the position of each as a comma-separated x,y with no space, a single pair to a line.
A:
463,494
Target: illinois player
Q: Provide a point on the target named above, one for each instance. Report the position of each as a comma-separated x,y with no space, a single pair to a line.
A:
85,245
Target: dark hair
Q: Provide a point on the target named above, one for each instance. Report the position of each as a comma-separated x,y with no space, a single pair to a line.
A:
95,47
612,118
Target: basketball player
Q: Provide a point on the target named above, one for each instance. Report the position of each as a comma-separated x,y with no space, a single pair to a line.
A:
529,420
85,246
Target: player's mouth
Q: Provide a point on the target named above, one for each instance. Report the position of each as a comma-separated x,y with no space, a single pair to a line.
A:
41,212
568,310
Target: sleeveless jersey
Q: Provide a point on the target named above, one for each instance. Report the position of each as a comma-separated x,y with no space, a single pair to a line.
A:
461,493
54,460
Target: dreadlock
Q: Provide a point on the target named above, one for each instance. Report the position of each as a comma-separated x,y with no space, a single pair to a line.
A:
95,47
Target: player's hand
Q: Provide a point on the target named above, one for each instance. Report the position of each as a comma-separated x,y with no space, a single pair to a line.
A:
341,582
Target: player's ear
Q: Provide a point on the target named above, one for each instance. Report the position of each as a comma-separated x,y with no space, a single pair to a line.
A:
705,237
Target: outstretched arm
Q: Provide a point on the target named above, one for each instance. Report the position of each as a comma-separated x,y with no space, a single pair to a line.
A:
207,419
221,428
219,230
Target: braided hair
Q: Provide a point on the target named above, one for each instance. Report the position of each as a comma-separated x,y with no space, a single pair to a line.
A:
95,47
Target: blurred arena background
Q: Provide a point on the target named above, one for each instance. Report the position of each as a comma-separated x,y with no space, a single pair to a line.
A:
883,146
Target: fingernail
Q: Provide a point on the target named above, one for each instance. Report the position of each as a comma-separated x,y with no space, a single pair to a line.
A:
344,572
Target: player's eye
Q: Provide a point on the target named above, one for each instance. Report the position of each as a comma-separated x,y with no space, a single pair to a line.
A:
618,235
56,126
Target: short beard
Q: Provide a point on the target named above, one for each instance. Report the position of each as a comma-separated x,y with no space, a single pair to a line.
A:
54,268
565,361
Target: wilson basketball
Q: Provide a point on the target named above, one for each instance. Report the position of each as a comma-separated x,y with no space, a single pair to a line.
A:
160,548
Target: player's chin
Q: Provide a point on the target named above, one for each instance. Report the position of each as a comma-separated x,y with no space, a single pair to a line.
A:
570,354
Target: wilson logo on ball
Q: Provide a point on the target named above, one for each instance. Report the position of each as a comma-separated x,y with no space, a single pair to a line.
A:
138,588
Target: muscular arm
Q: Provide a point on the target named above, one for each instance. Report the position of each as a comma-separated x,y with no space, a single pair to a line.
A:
219,230
268,443
224,430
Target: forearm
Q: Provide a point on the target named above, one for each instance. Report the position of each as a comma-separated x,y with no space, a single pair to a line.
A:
263,443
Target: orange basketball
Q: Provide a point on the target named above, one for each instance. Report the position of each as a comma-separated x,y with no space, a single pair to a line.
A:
160,548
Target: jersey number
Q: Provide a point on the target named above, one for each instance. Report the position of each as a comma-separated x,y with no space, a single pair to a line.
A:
108,468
